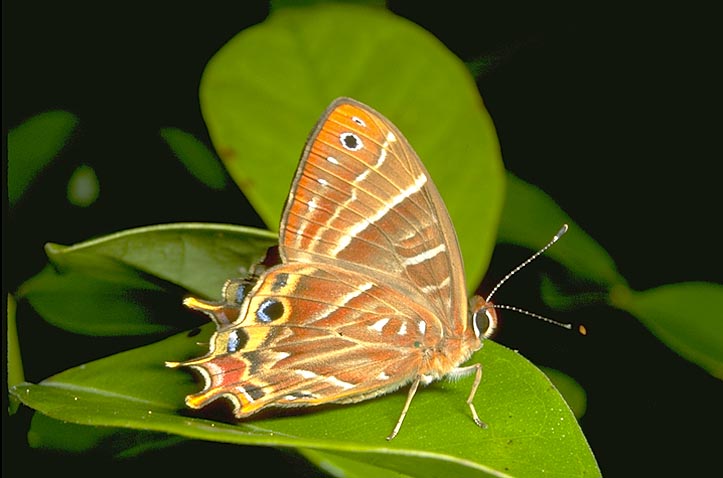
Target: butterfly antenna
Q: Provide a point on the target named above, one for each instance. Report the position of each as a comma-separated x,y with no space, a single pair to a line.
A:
537,316
534,256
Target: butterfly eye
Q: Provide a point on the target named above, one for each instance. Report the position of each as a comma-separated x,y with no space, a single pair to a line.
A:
484,321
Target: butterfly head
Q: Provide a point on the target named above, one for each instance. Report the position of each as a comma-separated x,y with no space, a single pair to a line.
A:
482,317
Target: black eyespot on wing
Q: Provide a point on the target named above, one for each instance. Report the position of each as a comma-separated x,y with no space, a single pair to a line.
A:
351,141
270,310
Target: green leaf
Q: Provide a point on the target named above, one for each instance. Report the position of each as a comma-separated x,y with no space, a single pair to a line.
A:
262,93
177,252
90,302
196,157
276,4
346,467
571,391
556,298
83,186
110,286
32,145
530,218
14,359
685,316
531,430
51,434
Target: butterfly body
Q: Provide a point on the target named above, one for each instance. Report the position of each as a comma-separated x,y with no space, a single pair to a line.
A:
370,293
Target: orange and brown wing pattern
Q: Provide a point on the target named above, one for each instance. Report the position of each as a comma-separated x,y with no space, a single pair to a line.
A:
370,292
362,200
297,346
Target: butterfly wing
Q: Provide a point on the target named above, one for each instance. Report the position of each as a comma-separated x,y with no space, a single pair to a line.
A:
363,201
314,336
370,293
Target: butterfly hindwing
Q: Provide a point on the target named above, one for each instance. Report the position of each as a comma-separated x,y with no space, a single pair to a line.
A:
356,340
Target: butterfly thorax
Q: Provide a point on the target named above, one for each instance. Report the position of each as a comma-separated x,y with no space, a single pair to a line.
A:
449,353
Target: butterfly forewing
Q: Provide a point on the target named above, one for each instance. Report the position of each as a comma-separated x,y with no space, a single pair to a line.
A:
362,200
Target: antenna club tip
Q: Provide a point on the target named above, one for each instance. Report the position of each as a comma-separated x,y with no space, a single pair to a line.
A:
562,231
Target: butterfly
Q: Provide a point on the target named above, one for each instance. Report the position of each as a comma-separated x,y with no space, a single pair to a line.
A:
369,295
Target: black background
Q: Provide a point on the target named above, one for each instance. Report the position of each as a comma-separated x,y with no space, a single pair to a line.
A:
614,112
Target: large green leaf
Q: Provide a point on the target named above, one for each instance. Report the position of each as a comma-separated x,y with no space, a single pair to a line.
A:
531,430
262,93
156,251
111,286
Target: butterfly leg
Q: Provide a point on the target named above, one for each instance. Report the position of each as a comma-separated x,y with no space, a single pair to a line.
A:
410,395
477,369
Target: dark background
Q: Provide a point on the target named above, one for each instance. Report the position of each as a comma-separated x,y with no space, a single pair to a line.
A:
613,112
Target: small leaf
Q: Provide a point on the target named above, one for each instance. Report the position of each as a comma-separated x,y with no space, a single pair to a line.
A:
685,316
83,186
14,359
262,93
570,390
32,145
531,429
530,218
196,157
555,297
